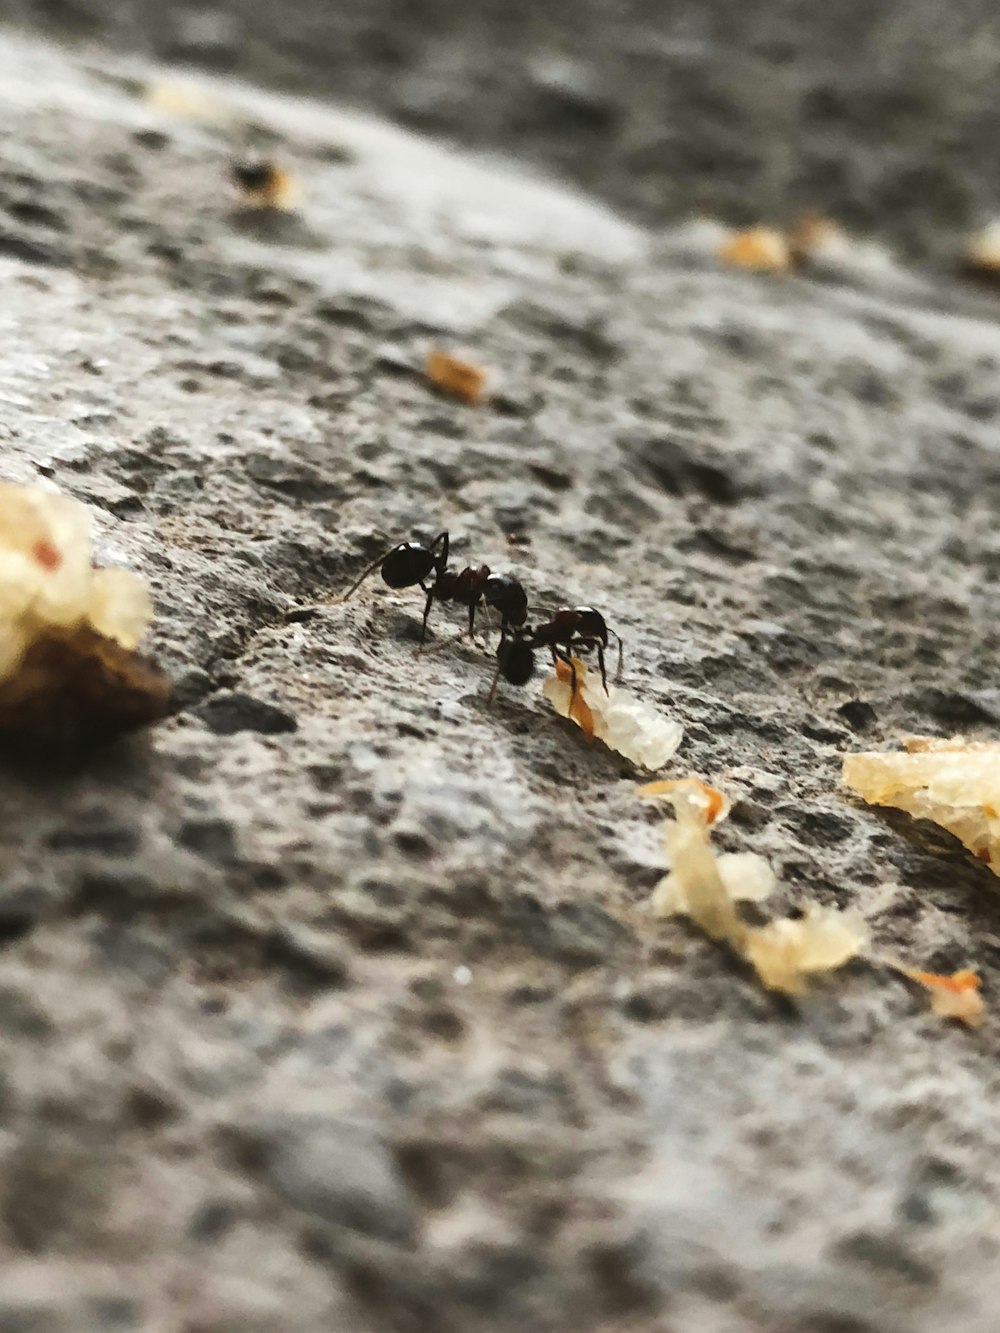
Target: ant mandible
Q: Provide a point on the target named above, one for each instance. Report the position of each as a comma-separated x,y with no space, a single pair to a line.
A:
572,630
412,564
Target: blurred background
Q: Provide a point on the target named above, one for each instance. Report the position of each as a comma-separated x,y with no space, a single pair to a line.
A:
882,114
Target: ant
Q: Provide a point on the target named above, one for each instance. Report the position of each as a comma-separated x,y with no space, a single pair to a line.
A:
412,564
572,629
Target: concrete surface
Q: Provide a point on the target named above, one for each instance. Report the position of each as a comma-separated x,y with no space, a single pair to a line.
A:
334,1004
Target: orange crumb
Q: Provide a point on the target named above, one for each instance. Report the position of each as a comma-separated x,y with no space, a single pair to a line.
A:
957,982
715,802
579,710
461,379
760,249
47,555
714,798
955,996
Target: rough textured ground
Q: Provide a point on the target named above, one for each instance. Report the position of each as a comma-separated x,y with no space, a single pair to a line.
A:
884,113
335,1003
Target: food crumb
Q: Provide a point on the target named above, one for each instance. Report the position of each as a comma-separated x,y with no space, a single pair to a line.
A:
707,887
186,101
759,249
68,631
956,996
456,377
623,722
954,783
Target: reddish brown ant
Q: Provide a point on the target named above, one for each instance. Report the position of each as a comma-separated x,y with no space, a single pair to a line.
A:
571,631
413,564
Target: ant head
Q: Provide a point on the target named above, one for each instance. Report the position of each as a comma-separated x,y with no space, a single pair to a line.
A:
516,661
590,624
504,592
407,564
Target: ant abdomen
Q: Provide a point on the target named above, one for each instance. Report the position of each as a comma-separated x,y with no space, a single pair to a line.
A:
407,564
516,661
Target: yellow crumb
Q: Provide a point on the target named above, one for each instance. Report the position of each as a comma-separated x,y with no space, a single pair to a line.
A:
760,249
461,379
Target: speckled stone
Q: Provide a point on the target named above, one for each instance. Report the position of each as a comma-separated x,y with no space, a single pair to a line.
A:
334,1002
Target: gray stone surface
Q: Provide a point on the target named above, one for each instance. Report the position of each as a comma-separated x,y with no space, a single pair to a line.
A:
884,113
334,1003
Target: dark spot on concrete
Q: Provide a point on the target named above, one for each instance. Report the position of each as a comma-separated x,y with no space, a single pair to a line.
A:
674,468
886,1256
214,839
858,715
311,958
106,839
228,713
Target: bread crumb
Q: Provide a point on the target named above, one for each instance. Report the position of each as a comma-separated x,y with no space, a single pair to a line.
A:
952,996
759,249
623,722
955,783
707,888
460,379
186,101
68,632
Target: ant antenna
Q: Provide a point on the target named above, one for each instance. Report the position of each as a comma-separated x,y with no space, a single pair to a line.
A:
299,611
334,601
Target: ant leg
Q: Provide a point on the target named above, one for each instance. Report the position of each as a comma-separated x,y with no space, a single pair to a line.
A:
566,657
600,663
427,610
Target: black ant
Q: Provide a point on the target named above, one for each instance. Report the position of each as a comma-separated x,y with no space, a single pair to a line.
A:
572,630
412,564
